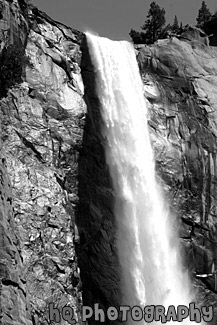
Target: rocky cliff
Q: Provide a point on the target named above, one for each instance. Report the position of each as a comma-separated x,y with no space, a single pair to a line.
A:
180,86
42,118
57,225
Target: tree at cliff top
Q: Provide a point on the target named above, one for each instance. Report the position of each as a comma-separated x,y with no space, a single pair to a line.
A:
175,26
137,37
153,27
204,15
181,28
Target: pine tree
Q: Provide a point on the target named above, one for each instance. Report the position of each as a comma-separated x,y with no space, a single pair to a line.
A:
181,28
154,24
175,25
154,27
203,15
137,37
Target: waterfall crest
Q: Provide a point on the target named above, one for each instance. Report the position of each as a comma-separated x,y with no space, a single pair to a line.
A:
152,272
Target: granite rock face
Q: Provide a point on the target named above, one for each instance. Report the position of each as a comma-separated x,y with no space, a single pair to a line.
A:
13,22
41,133
14,302
180,86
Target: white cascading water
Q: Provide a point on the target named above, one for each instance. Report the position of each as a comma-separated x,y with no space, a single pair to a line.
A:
148,252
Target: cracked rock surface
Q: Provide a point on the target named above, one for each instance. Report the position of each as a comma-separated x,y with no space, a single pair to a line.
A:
41,132
180,86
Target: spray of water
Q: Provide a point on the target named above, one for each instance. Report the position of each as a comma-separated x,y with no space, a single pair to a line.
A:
148,252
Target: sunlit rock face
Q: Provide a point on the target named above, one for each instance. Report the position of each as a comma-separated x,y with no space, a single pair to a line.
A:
180,85
14,302
42,119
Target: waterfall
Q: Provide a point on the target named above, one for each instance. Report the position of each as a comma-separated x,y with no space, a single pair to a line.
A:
152,272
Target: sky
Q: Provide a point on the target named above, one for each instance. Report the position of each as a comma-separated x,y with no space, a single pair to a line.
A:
115,18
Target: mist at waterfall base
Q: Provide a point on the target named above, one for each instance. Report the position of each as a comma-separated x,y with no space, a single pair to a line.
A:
152,272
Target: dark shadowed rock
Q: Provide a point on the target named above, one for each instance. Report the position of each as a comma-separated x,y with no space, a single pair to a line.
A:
95,219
